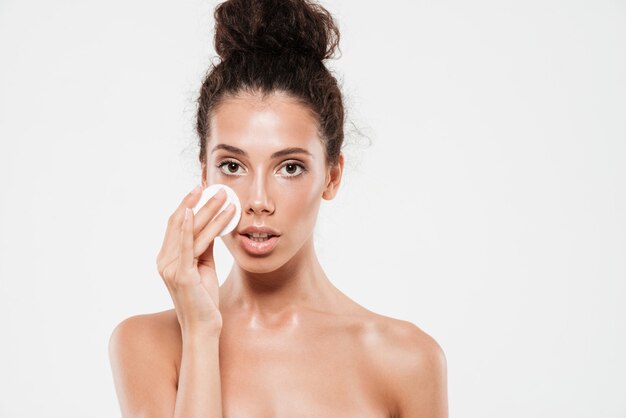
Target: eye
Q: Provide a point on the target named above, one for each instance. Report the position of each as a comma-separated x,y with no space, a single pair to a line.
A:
232,165
291,168
294,166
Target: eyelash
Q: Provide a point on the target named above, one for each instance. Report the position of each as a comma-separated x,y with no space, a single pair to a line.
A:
303,168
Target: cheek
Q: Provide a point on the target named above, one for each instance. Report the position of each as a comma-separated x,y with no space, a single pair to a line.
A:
300,200
299,208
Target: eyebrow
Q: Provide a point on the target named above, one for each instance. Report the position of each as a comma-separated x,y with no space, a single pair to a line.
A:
286,151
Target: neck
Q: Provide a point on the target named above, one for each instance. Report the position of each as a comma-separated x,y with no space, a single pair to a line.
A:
299,284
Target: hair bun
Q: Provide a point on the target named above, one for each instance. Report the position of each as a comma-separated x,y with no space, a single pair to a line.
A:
274,26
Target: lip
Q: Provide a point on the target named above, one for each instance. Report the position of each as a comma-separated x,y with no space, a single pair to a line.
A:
258,248
262,229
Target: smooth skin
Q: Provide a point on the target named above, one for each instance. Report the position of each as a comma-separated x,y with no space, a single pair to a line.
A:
277,338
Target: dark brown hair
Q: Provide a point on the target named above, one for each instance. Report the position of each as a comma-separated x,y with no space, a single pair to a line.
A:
267,46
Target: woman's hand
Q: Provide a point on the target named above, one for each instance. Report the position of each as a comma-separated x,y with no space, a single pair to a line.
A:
186,264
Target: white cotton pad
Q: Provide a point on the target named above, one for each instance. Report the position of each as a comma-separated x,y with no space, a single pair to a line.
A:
231,196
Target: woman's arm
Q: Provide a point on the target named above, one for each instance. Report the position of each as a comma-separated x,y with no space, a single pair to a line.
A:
141,355
199,388
145,375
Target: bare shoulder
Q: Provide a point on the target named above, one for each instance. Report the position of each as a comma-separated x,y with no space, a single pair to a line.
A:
410,363
142,352
161,327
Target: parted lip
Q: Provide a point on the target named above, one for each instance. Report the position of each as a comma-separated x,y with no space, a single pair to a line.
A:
259,230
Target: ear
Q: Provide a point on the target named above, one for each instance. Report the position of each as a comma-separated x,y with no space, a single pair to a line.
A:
333,179
203,179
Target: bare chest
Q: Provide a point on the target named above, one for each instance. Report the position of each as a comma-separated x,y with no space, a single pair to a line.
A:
296,376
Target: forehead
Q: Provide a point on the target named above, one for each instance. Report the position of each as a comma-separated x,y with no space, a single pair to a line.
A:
262,126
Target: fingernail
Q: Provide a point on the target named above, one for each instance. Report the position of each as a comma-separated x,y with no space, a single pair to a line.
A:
220,193
196,189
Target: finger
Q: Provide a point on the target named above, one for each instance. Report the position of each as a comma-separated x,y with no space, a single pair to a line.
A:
172,234
169,273
186,243
165,267
189,201
208,234
208,210
206,260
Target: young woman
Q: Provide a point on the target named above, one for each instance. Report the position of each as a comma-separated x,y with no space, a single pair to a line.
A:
277,338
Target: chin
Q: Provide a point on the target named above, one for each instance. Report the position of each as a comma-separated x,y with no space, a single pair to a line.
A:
253,263
258,265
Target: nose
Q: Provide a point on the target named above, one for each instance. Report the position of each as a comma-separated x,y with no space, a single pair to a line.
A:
258,200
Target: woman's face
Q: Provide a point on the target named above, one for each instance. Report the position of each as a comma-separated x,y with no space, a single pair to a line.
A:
270,154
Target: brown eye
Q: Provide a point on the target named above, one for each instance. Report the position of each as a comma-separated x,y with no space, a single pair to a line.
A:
231,167
291,169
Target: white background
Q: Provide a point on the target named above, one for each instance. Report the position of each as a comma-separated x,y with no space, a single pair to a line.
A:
489,209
